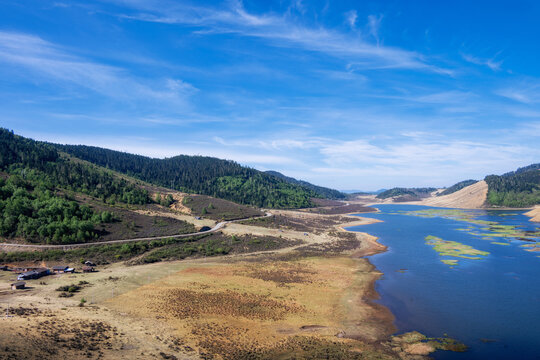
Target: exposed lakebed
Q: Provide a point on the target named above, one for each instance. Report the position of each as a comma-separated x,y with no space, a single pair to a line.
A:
471,274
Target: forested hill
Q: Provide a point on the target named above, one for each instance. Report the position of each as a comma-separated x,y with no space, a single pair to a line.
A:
410,192
322,191
520,188
35,193
456,187
202,175
41,163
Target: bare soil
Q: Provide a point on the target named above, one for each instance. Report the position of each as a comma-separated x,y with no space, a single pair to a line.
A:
534,214
218,209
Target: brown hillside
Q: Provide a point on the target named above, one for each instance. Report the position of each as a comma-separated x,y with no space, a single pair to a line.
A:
534,214
471,197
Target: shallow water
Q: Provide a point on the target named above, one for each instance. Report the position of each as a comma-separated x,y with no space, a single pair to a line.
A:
492,304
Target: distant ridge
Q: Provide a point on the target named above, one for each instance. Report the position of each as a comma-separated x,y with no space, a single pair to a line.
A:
204,175
322,191
361,192
410,193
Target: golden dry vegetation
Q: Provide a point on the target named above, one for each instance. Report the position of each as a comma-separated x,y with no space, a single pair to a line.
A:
309,300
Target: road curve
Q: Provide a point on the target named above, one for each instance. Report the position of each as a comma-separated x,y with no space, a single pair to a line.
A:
216,227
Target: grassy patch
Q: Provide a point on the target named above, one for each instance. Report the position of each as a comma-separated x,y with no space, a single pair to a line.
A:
450,262
454,249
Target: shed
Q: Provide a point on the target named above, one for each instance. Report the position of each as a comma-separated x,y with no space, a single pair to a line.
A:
88,269
18,285
28,275
59,269
42,272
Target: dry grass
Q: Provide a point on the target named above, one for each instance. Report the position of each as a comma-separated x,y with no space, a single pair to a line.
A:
185,304
257,308
288,303
52,335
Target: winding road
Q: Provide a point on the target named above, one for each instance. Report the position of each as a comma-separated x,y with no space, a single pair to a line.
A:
216,227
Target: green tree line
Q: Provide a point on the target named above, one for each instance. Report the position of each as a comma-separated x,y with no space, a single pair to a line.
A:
202,175
515,189
38,215
41,162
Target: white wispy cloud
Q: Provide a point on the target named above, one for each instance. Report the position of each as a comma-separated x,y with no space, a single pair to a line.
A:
526,90
490,63
46,60
281,30
374,24
423,162
350,18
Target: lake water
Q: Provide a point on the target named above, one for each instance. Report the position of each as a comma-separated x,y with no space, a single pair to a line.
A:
492,303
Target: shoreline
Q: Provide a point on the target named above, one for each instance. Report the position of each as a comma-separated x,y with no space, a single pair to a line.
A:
382,314
320,292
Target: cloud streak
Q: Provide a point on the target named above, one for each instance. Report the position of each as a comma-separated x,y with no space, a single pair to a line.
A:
280,30
51,62
490,63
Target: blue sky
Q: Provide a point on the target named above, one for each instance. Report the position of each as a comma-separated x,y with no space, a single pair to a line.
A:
349,94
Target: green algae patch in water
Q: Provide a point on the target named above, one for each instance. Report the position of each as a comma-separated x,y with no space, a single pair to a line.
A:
486,230
454,249
450,262
531,247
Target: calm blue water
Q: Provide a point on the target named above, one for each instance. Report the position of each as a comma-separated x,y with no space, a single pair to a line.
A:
496,298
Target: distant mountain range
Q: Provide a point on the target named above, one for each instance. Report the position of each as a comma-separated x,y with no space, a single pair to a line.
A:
361,192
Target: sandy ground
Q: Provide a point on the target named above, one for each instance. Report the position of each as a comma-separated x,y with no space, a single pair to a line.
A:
313,300
534,214
471,197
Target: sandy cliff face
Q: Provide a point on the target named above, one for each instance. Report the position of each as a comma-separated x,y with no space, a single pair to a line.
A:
534,214
471,197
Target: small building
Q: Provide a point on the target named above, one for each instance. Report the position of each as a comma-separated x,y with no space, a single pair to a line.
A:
88,269
18,285
27,275
42,272
34,274
60,269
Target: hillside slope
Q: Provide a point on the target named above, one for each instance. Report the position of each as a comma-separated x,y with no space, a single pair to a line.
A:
202,175
534,214
406,194
520,188
48,197
320,190
456,187
470,197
